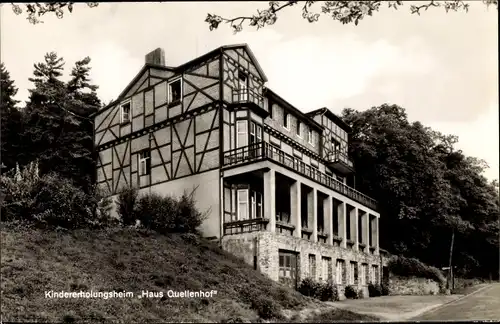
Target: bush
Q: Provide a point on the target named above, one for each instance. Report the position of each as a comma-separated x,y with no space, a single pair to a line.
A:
126,205
18,189
374,290
408,267
326,291
266,307
351,292
168,214
384,289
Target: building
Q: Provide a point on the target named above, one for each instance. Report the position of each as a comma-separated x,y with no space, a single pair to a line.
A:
273,179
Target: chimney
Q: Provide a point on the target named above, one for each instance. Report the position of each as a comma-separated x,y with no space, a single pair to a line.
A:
156,57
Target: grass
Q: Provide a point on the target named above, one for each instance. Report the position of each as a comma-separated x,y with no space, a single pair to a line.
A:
34,261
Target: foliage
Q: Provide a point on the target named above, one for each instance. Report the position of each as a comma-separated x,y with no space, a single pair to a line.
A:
409,267
126,204
57,130
48,200
11,123
426,189
384,289
351,292
324,291
168,214
346,12
374,290
36,10
266,307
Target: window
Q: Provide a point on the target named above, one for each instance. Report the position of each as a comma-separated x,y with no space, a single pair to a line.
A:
310,137
241,133
374,274
145,162
299,130
243,86
287,265
175,91
256,207
312,266
326,269
125,112
336,146
353,271
340,271
255,133
242,204
286,120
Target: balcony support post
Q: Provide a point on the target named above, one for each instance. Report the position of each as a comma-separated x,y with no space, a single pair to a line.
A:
270,198
295,208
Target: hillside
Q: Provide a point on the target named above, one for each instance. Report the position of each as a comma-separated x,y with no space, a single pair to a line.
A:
34,261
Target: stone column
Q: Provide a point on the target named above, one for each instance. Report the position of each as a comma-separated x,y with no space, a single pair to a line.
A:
295,208
376,237
365,225
314,194
342,215
270,199
353,218
328,217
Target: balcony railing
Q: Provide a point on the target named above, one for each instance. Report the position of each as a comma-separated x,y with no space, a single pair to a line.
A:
247,96
338,156
245,226
263,150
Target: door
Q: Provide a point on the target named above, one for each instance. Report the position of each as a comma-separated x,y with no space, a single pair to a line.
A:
288,268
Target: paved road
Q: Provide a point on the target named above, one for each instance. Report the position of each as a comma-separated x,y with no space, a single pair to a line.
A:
483,304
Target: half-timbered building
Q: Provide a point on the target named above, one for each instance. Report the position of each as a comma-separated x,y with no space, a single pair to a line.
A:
275,181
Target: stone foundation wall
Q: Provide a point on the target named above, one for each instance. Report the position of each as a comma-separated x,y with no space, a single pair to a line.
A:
265,247
412,286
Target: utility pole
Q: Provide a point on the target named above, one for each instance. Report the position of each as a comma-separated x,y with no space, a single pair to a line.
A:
450,273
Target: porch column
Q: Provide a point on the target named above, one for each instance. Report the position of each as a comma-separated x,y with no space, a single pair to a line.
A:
328,217
270,199
342,215
295,208
365,225
353,218
376,237
314,194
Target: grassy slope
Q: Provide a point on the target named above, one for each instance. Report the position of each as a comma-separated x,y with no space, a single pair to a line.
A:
33,261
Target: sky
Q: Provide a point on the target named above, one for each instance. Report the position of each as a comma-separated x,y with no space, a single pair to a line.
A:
441,67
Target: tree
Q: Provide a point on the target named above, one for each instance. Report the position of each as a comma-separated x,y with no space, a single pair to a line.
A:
58,130
346,12
10,119
36,10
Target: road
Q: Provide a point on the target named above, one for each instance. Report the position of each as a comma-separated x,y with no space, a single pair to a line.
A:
483,304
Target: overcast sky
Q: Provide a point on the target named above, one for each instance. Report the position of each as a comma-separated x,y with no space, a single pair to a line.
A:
443,68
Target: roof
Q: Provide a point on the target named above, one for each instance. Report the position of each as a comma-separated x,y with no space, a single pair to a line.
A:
285,103
328,113
185,66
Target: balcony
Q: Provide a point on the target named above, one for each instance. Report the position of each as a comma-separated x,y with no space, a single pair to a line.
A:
246,226
340,162
248,99
265,151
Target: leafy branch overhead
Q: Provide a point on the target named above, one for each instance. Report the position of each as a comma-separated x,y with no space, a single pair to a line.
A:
36,10
344,11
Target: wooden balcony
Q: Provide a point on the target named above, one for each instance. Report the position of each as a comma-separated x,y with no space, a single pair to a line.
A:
340,162
264,151
248,99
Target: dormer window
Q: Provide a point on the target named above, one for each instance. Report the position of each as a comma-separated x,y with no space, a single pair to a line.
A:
299,130
286,120
125,112
175,91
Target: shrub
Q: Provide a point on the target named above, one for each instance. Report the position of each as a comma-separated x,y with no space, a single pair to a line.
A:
384,289
328,291
266,307
126,205
351,292
408,267
308,287
374,290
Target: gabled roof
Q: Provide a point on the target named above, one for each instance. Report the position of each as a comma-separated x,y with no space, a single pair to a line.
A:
328,113
185,66
274,96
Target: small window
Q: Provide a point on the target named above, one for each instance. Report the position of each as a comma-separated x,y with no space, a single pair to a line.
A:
299,128
312,266
286,120
125,112
242,204
243,85
175,91
145,162
310,137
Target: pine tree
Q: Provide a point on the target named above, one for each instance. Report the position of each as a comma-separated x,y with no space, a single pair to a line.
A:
10,119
